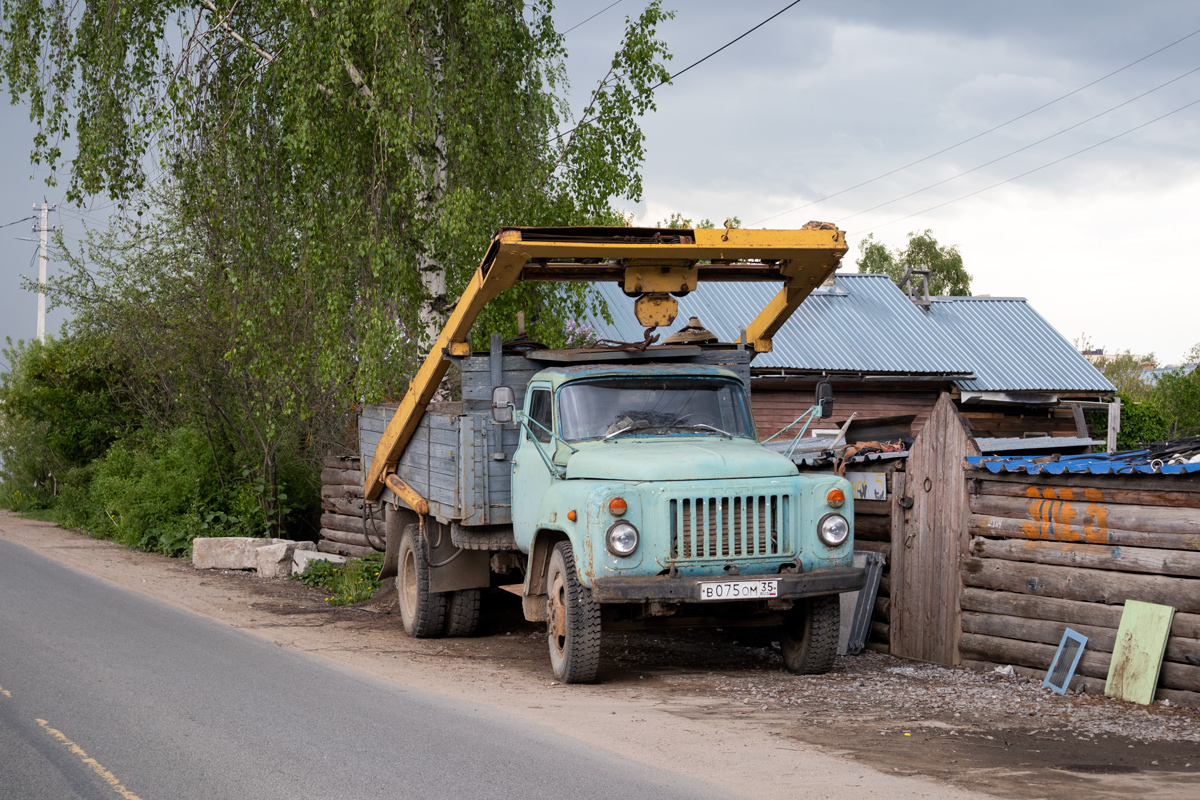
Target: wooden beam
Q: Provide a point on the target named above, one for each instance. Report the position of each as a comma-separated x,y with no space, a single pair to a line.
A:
1092,556
1008,528
1087,585
1083,514
1147,490
1185,626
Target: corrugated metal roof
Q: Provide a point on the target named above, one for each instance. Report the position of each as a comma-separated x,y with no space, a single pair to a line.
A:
1126,463
1151,376
868,325
1039,444
1011,347
865,325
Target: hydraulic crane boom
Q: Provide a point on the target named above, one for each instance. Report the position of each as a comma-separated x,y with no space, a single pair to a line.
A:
651,264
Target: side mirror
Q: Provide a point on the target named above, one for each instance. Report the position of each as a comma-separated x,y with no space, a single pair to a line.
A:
825,399
502,403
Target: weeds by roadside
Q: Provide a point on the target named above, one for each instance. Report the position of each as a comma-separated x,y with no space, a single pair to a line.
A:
352,582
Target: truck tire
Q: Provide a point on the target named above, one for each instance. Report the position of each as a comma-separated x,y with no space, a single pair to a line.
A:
809,638
481,537
423,612
462,612
573,626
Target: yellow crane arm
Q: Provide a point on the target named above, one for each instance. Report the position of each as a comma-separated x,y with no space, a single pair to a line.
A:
644,261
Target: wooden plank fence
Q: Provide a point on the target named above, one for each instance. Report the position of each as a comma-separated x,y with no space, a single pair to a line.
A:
989,569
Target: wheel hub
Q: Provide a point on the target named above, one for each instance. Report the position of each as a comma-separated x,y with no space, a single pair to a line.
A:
558,614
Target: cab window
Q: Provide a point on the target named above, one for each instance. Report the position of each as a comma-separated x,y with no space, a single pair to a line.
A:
540,412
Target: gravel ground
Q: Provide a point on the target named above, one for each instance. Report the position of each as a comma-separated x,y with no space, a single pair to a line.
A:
716,694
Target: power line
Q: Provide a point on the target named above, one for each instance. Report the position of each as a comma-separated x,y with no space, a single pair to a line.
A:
693,64
978,135
592,17
735,41
1030,172
1019,149
18,222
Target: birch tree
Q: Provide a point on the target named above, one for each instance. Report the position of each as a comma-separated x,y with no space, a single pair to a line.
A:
359,153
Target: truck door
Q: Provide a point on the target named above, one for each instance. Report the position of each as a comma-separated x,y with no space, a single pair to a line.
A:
530,474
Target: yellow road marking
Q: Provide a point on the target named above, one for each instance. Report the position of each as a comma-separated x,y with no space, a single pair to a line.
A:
5,692
92,763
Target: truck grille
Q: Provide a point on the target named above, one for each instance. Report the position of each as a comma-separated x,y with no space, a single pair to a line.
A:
729,527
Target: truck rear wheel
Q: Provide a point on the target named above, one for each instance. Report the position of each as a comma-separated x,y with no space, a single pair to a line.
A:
573,626
462,612
423,612
809,638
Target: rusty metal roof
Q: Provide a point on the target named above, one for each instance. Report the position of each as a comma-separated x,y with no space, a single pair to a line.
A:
865,324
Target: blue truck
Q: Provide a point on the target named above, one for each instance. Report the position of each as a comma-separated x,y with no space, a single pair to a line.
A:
615,486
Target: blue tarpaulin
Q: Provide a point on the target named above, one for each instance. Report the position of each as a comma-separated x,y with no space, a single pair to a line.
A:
1129,462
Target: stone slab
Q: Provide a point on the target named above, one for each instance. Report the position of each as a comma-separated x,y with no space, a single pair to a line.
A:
302,558
274,560
228,552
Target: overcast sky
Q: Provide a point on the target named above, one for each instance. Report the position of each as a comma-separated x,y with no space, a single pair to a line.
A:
834,93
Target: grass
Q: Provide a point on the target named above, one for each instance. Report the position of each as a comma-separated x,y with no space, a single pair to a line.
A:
352,582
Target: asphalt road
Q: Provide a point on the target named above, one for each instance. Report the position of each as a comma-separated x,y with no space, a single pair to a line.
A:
105,693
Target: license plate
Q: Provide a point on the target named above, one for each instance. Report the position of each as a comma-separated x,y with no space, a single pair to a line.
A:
738,590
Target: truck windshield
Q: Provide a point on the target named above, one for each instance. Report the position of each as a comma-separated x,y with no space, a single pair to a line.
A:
611,407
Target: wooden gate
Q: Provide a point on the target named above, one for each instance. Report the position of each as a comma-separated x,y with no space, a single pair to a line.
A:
927,547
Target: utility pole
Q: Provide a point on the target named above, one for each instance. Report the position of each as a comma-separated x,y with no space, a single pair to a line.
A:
43,230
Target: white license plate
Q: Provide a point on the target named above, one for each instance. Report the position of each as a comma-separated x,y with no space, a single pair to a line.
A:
738,590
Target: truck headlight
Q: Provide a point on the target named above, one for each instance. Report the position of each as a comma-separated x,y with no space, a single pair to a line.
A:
833,529
622,539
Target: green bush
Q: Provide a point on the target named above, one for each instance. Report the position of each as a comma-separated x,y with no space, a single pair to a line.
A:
154,491
1141,422
57,413
352,582
1178,395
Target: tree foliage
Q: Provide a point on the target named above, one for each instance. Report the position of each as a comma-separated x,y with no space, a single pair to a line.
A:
947,276
358,152
314,184
1155,406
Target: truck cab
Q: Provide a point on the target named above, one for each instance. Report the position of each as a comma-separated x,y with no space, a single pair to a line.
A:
640,492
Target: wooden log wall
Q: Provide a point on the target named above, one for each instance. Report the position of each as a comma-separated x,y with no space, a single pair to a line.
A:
874,523
775,407
343,528
993,422
1050,552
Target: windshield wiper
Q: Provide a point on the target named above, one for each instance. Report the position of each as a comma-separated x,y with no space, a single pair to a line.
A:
689,427
629,428
703,425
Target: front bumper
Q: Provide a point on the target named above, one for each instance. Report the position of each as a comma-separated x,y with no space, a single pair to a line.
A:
621,589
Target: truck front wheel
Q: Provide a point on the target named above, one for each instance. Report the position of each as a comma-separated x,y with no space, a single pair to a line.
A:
573,625
423,612
809,639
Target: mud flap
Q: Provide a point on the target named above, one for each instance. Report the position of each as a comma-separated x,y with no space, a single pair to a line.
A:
450,567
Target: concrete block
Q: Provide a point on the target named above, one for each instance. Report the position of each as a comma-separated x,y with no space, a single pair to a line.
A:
274,560
227,552
306,545
302,558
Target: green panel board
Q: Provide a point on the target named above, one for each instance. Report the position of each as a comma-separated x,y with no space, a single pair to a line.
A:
1138,653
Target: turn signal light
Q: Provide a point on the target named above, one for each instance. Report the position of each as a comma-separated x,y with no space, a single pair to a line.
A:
617,506
571,515
836,498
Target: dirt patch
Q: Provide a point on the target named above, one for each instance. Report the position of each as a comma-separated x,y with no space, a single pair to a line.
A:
713,700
